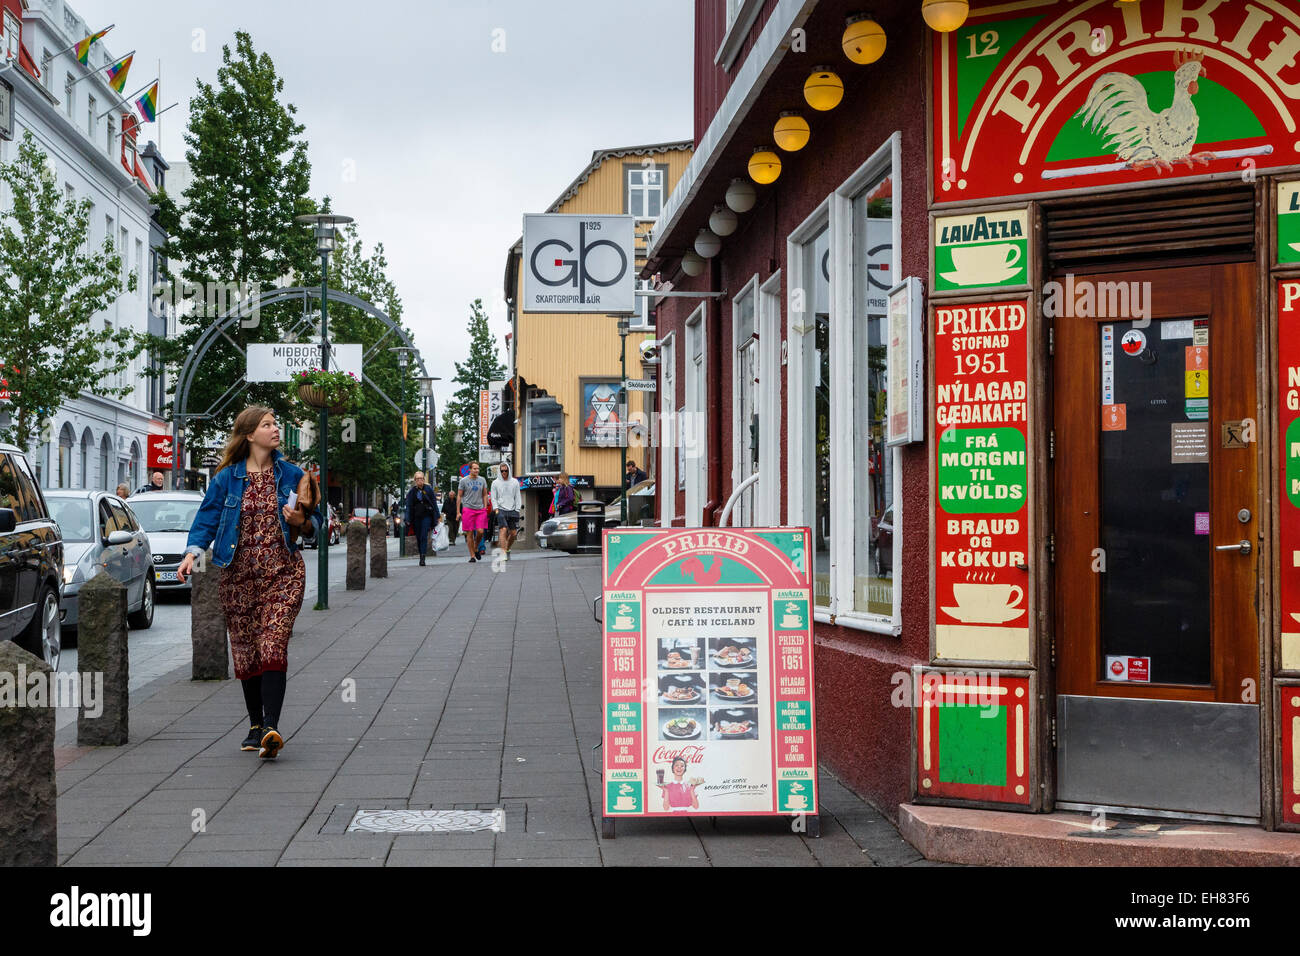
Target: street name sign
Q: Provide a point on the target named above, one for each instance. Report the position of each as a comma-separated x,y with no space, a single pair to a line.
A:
641,385
280,361
708,660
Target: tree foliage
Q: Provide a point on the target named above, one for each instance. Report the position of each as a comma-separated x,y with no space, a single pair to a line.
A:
52,284
236,229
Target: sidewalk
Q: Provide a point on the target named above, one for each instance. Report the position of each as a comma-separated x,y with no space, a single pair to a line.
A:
474,691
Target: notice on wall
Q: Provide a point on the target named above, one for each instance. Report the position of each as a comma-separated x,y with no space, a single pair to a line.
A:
708,681
1288,405
1189,442
982,481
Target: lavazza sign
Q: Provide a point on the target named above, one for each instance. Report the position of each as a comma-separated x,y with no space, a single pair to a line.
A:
579,264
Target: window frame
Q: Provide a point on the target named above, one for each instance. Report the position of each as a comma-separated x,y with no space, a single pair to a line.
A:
835,213
668,430
696,471
740,429
530,458
69,96
661,187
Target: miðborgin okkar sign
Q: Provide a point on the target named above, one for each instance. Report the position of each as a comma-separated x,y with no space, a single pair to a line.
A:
708,673
981,516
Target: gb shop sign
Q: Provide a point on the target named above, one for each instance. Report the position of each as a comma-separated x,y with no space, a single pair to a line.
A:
579,264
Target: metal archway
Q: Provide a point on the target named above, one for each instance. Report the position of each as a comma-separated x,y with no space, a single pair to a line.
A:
218,329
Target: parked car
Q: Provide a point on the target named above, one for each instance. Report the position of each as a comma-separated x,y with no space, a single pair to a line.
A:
101,534
31,561
166,517
335,532
561,534
365,514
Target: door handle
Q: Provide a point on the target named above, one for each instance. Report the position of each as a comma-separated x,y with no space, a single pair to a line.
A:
1243,546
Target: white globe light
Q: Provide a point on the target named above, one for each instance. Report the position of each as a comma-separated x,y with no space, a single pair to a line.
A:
723,221
707,244
692,264
741,195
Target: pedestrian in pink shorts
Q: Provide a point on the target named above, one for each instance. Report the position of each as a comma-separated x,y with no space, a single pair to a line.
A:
472,504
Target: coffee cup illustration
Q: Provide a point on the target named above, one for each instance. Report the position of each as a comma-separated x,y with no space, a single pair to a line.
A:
990,262
625,803
796,801
623,618
987,603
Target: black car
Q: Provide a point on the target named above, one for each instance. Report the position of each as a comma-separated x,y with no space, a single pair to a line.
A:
31,561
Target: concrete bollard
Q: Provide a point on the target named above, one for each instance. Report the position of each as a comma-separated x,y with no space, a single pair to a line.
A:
356,556
28,793
101,649
378,549
208,624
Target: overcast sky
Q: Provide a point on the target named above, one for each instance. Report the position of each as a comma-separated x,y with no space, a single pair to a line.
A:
433,142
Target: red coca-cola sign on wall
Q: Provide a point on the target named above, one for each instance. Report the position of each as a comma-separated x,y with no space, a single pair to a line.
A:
161,452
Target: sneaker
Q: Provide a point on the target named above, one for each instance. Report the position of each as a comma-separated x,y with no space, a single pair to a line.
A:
271,743
254,739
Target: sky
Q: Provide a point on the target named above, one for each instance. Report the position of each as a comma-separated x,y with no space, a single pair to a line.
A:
436,124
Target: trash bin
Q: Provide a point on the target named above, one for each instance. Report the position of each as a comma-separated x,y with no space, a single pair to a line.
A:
591,521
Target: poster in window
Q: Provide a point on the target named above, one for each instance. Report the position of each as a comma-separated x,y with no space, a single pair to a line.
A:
602,418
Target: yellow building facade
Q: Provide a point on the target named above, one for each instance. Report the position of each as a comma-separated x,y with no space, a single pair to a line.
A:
562,362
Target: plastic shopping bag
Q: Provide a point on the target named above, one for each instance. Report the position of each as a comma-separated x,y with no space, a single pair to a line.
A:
440,542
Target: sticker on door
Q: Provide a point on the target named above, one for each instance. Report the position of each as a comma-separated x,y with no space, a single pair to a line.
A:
1128,669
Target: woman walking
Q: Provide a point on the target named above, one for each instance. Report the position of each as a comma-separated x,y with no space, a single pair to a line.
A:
246,519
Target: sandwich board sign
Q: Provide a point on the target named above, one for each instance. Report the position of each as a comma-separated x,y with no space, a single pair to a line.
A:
707,674
579,264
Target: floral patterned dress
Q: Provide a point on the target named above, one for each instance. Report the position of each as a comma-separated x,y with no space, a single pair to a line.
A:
262,589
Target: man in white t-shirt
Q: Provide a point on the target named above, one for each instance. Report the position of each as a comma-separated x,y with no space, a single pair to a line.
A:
507,502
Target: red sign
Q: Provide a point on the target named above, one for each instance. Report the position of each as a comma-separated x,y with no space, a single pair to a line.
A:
708,673
161,453
981,490
1076,94
1288,356
1139,669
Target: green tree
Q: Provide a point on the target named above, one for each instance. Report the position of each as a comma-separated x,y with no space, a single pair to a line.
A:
482,366
371,420
236,229
52,283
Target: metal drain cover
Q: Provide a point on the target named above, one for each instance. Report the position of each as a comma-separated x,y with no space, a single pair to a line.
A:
428,821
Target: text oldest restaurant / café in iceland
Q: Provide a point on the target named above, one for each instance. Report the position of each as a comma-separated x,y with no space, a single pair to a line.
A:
1053,481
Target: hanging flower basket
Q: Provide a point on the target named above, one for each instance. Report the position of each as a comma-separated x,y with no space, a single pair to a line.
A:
333,391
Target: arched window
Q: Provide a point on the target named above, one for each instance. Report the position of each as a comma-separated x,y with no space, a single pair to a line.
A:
105,458
65,456
87,448
133,480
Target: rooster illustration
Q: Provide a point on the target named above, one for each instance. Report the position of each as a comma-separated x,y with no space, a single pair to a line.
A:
1117,107
695,568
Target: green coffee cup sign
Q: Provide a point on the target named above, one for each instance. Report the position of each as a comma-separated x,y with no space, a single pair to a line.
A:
983,250
1288,222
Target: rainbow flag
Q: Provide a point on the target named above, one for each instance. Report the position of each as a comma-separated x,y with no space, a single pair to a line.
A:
116,74
83,48
148,104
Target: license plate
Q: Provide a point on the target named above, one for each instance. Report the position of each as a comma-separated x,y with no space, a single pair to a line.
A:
164,575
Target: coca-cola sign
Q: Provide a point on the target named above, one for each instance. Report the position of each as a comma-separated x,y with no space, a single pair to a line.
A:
161,452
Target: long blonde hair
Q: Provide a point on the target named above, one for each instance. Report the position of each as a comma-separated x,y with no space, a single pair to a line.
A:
246,423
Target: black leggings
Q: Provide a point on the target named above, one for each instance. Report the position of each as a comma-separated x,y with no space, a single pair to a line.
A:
264,696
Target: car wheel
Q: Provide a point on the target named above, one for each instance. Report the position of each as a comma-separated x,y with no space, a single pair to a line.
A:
142,619
43,636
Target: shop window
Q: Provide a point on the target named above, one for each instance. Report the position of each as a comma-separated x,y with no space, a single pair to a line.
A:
668,430
843,479
873,463
545,430
745,381
694,421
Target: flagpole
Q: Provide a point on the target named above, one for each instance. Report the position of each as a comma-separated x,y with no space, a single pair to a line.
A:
92,70
122,132
73,46
126,98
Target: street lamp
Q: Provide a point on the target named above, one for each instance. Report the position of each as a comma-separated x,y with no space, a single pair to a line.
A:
623,328
369,449
323,227
426,390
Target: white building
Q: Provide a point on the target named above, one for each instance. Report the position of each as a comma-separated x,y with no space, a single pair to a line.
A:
96,441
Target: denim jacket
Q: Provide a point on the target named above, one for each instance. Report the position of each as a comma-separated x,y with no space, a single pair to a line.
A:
217,523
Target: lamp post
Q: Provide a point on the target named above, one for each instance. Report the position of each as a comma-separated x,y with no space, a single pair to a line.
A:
323,226
403,360
426,390
369,449
623,325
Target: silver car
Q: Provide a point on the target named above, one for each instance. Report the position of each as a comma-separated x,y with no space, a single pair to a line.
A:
561,534
101,534
166,517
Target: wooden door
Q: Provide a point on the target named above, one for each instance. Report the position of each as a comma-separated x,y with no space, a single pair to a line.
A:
1152,494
